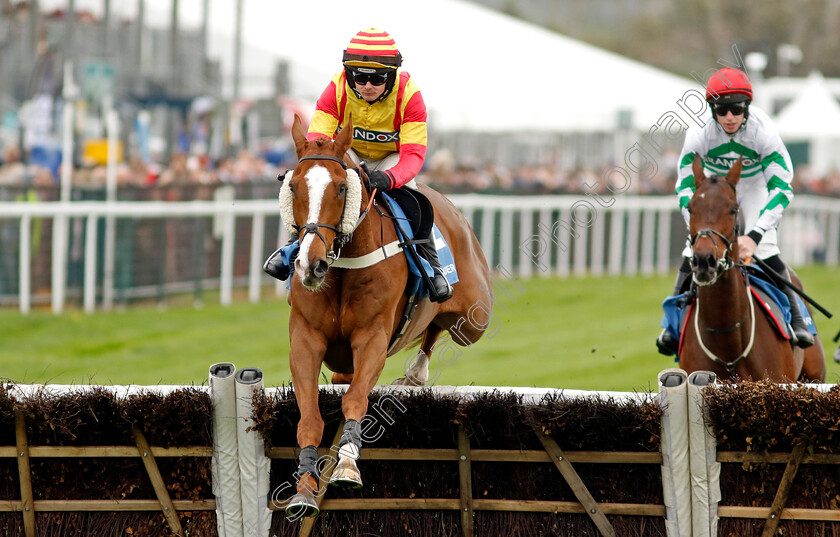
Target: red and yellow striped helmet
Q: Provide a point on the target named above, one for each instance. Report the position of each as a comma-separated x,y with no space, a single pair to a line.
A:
372,48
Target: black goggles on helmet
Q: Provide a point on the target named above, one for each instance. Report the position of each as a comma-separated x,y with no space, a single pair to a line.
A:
721,109
376,79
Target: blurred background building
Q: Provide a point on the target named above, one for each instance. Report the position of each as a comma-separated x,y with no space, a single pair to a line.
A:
534,96
539,97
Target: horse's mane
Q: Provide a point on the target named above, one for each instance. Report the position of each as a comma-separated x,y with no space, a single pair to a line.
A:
718,179
321,142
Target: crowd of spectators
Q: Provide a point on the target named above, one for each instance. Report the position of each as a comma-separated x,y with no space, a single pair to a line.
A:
441,172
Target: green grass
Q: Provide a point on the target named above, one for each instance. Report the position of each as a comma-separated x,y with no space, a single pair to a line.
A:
591,334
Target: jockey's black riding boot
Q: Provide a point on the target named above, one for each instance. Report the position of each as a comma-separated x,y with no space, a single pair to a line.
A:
665,343
441,290
274,266
804,338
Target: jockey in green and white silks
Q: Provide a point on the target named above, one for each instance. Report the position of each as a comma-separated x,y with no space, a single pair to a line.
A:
764,190
734,129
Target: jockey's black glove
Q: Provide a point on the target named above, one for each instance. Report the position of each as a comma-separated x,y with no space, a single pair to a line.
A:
380,180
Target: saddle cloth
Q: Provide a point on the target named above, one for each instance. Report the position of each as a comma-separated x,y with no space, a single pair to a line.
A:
405,231
769,299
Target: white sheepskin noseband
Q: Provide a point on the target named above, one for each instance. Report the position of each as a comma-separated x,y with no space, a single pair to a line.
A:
352,204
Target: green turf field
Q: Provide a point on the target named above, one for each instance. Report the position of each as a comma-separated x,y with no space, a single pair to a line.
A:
592,334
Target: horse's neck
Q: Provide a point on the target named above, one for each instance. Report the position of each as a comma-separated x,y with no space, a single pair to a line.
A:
366,238
724,304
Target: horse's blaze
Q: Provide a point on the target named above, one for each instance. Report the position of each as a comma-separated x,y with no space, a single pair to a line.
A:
310,267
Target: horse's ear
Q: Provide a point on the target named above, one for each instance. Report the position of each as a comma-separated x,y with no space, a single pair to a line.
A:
697,169
298,135
344,138
734,173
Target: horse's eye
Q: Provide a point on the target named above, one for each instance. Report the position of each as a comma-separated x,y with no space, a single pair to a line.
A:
293,188
734,210
342,189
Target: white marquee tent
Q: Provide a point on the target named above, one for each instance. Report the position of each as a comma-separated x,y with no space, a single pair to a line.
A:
478,69
813,117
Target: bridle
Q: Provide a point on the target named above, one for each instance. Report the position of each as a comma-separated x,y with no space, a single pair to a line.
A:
341,239
724,262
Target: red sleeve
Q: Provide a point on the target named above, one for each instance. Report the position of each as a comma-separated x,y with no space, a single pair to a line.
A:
325,119
412,155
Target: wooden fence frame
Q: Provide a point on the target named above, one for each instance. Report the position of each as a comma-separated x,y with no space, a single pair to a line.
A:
464,455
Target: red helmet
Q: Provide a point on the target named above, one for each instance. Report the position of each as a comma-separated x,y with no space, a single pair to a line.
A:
374,49
729,85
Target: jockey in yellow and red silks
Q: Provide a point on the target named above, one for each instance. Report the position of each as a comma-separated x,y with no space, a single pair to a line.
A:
386,107
389,130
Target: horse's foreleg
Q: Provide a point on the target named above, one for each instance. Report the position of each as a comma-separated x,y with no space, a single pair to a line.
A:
305,359
369,351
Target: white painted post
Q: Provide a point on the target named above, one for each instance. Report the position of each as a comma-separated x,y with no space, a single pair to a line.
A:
542,229
60,222
487,233
506,238
831,253
675,455
109,260
25,263
663,253
598,245
527,231
564,241
253,464
226,279
255,271
631,259
705,470
59,262
616,241
69,95
90,264
225,463
648,239
581,248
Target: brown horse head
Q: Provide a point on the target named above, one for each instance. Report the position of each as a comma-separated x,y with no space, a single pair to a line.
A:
322,199
714,214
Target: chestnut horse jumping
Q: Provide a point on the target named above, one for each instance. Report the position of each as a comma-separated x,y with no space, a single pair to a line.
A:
345,318
725,331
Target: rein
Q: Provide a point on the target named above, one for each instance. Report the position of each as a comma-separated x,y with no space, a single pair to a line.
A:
724,263
730,366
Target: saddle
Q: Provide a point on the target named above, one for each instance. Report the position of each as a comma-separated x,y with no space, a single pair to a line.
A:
769,299
417,208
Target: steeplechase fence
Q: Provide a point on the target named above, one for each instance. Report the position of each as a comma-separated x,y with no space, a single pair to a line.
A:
100,254
696,458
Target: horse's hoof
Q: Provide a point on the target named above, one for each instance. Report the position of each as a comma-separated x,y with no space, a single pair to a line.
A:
346,474
302,505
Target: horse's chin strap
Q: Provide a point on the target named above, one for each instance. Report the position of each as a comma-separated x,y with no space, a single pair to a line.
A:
724,262
729,366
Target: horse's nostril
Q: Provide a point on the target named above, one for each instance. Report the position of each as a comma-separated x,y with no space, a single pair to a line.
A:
319,270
